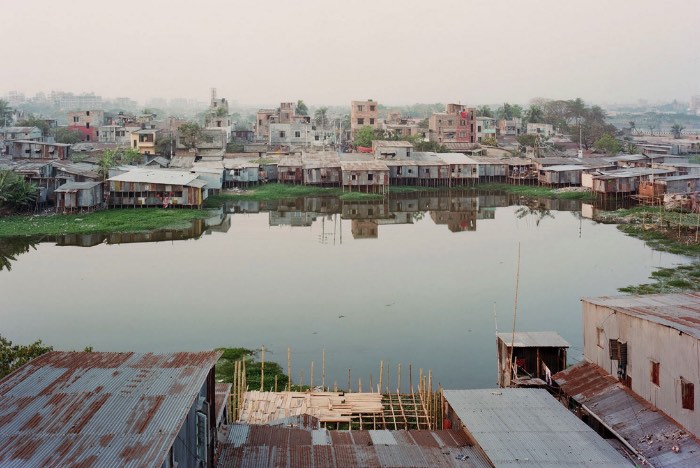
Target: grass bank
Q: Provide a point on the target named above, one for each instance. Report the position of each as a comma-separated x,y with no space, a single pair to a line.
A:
268,192
115,220
667,231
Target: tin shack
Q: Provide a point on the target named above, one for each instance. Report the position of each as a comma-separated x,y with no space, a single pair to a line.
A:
365,176
155,188
78,196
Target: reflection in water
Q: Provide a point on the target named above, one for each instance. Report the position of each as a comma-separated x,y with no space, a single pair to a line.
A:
413,292
11,247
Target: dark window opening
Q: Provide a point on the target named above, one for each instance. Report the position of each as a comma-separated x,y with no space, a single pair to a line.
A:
687,394
655,373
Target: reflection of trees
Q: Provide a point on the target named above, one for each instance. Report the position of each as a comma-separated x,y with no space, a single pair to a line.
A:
11,247
418,215
536,209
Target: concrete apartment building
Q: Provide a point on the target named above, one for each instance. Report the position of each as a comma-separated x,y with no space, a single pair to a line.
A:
362,114
456,124
87,123
542,129
485,128
218,115
284,114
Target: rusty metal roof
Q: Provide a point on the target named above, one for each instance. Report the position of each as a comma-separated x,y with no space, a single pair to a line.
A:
223,393
98,409
254,445
678,311
649,430
534,339
363,166
527,426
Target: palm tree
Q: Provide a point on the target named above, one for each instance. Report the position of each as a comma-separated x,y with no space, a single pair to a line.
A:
676,131
534,114
484,111
5,112
321,116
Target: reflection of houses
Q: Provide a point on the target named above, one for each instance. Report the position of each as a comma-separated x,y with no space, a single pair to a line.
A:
364,229
456,221
366,210
640,378
323,205
110,409
528,359
292,218
156,188
78,196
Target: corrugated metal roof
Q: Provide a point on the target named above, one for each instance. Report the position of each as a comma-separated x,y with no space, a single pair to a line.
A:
73,186
250,445
156,176
542,339
525,426
392,144
563,168
98,409
678,311
456,158
651,432
363,166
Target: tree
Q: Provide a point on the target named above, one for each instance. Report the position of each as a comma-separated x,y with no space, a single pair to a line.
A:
505,112
15,192
432,146
608,144
534,114
15,356
517,110
32,121
489,141
191,134
66,135
164,146
130,156
11,247
528,140
302,108
677,130
633,126
106,162
484,111
364,136
5,112
321,116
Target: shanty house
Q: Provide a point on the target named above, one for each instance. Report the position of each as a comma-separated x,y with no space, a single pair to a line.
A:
383,149
241,172
365,176
529,358
463,169
290,169
110,409
321,168
402,172
212,172
566,174
78,196
154,187
432,170
25,149
491,168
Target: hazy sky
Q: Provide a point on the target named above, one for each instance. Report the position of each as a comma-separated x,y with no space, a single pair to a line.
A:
328,51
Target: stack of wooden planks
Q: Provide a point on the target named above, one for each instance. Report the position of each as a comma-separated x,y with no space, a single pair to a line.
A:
267,407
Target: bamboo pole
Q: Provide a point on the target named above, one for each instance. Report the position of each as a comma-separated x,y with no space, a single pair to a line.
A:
262,368
349,389
410,377
301,379
359,384
289,369
398,380
515,311
275,383
381,374
371,387
323,371
311,379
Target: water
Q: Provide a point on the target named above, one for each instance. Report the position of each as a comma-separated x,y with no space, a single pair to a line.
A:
397,285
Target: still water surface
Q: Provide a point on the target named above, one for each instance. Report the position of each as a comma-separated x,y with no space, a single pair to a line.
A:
365,282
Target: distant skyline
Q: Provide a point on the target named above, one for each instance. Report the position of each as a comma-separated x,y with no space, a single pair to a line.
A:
331,52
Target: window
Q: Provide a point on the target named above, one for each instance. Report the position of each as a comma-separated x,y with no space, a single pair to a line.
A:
427,171
600,337
371,121
463,122
687,394
370,212
218,123
360,108
478,129
449,122
410,171
135,144
297,134
317,138
282,134
370,176
87,113
87,124
655,373
353,177
76,119
360,121
371,108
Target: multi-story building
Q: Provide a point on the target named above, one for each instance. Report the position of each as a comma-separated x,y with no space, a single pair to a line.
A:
512,127
541,129
87,122
300,134
485,128
218,115
363,114
456,124
284,114
400,126
145,140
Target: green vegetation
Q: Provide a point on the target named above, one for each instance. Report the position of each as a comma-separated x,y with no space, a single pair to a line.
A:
115,220
535,191
66,135
16,194
192,134
302,108
607,144
33,121
364,136
15,356
225,370
667,231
